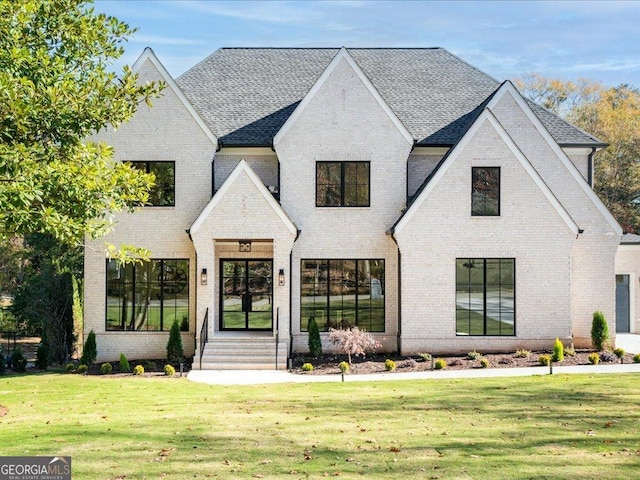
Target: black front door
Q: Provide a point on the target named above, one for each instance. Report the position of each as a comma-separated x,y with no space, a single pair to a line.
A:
246,294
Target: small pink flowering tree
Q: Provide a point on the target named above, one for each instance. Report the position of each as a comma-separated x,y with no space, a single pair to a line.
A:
353,341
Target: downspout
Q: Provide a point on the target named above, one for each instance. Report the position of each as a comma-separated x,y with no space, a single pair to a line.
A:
399,336
590,166
195,333
290,353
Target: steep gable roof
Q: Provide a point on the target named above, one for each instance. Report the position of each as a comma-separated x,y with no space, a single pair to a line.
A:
343,54
150,56
246,95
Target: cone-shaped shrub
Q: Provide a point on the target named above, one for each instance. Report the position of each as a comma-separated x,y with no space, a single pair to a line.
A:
90,351
558,351
599,331
315,343
175,353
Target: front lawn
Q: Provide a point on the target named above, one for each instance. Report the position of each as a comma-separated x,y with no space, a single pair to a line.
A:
546,427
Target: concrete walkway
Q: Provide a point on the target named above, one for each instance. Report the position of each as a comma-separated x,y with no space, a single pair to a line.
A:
260,377
630,342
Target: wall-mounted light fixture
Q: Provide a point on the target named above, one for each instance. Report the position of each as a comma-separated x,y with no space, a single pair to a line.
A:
281,277
203,276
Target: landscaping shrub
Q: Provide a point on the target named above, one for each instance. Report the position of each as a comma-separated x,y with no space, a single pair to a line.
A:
149,365
82,369
425,356
608,357
175,352
558,351
474,355
42,356
70,367
485,363
169,371
18,361
523,353
594,359
570,351
636,358
599,331
544,360
124,363
106,368
619,352
307,367
440,364
138,370
315,343
90,351
389,365
344,367
353,341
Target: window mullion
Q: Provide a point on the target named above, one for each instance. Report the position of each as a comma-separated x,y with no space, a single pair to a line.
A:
342,180
484,294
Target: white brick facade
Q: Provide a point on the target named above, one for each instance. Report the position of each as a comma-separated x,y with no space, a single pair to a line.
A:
563,242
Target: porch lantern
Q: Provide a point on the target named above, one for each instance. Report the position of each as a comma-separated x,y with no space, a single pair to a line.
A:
203,276
281,277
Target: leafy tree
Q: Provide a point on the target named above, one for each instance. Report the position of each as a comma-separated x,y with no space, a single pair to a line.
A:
57,91
613,116
353,341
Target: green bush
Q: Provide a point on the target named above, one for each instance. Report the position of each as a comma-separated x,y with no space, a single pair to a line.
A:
485,363
307,367
315,342
570,351
3,365
18,361
90,351
523,353
389,365
558,351
138,370
440,364
474,355
619,352
594,359
425,357
544,360
124,363
175,352
70,367
149,365
636,358
106,368
42,356
169,371
82,369
599,331
344,367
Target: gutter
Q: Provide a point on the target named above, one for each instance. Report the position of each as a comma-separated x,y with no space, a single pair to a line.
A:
290,353
590,166
399,335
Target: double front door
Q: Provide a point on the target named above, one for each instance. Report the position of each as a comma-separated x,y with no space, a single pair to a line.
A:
246,294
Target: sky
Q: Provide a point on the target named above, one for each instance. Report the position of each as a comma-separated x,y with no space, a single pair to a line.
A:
598,41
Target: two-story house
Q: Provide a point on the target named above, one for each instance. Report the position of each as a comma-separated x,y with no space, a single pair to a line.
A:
400,190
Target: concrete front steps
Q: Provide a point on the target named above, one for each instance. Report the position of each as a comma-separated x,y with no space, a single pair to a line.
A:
242,353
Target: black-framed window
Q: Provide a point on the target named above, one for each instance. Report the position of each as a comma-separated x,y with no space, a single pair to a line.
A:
485,296
342,294
485,191
342,184
163,192
147,296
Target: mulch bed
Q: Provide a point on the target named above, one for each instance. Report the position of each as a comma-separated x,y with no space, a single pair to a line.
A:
328,364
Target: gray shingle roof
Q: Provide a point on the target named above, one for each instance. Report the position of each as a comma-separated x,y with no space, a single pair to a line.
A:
246,94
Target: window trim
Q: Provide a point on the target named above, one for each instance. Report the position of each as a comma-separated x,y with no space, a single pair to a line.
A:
343,164
356,308
484,297
498,188
147,169
163,328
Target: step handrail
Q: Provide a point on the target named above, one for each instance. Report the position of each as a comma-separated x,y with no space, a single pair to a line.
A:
204,335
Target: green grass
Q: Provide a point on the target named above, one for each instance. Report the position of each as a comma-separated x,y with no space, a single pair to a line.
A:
545,427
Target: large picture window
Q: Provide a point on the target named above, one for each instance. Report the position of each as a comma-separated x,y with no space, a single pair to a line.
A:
485,296
485,191
148,296
342,184
342,294
162,194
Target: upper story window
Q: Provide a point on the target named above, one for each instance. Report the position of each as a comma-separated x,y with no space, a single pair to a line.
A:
485,191
342,184
163,193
